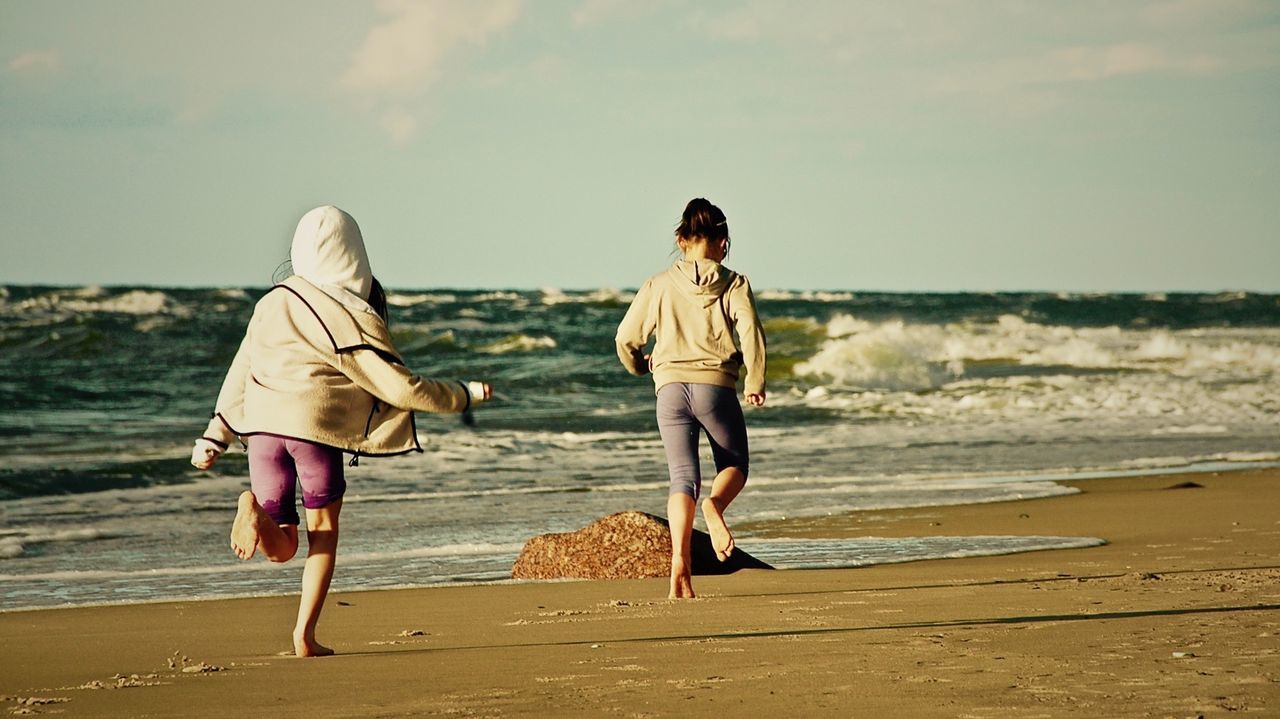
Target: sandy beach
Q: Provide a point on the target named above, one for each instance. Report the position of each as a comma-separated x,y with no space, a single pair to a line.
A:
1176,616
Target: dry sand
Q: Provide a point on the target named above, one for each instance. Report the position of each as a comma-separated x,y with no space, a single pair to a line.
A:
1178,616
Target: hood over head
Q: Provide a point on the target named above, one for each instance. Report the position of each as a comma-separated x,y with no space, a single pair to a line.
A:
328,251
702,280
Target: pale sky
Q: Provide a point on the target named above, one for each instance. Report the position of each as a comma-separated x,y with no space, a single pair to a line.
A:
928,145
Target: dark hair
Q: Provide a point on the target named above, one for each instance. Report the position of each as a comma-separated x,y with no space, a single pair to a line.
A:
702,220
284,271
378,300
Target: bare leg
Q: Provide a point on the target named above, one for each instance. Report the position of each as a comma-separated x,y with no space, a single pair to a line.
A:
724,489
680,516
253,529
322,551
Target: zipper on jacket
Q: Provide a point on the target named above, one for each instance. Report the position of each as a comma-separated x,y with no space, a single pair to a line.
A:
369,423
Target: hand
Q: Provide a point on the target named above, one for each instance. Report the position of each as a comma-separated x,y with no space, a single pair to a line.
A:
204,454
755,400
480,391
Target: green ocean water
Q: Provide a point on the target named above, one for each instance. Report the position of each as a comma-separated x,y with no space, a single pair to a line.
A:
875,400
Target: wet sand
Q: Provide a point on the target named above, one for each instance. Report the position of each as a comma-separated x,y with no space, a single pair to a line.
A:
1177,616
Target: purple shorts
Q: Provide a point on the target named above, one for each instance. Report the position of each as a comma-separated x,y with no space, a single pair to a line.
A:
278,464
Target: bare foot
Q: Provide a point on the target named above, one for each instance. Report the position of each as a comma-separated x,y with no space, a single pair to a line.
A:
681,581
721,537
244,528
309,647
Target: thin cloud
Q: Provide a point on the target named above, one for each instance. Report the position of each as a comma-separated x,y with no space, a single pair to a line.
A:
592,13
1079,64
595,12
1202,14
35,62
404,56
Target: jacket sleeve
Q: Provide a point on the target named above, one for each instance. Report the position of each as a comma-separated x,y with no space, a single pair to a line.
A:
634,331
231,396
396,385
750,337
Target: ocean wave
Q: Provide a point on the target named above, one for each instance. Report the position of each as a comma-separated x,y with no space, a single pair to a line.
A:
804,295
518,343
403,300
603,296
901,356
523,440
461,494
14,542
347,558
1153,398
1191,429
96,300
423,338
790,553
476,549
887,356
233,293
498,296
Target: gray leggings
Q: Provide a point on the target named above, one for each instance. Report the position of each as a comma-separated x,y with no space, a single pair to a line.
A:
684,409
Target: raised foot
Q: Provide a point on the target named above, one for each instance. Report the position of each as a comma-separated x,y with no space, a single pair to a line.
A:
304,647
721,537
244,528
681,582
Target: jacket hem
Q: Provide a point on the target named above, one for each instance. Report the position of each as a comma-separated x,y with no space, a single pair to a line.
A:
417,447
714,377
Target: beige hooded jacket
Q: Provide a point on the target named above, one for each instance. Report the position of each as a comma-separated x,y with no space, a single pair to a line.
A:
318,364
694,308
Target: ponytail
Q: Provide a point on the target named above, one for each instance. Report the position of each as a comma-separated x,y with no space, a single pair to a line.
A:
702,220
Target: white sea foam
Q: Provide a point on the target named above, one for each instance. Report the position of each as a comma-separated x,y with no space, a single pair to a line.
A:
1246,457
1014,368
401,300
1191,429
518,343
1161,345
448,550
524,440
805,496
233,293
348,558
888,355
90,300
805,295
13,542
556,296
1071,352
845,325
786,553
457,494
499,296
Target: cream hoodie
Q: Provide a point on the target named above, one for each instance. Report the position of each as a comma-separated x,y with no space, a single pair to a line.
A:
693,308
318,364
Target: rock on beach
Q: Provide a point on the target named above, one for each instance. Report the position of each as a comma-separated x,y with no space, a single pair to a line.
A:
626,545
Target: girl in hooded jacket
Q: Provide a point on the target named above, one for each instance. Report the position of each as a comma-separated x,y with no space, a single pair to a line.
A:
693,309
316,376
